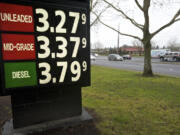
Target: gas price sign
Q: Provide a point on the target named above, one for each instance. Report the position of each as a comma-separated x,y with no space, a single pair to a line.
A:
44,45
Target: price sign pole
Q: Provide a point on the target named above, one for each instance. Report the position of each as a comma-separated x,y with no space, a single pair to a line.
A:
45,58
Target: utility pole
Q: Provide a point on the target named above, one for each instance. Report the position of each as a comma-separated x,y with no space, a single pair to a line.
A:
118,40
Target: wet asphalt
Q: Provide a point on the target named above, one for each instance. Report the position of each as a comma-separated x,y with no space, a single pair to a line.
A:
137,63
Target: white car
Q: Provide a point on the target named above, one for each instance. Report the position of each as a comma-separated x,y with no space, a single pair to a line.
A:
172,56
93,57
96,55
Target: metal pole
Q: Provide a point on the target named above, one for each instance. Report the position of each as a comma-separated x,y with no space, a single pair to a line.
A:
118,40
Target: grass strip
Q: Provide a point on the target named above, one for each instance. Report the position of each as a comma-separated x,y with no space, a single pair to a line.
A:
125,103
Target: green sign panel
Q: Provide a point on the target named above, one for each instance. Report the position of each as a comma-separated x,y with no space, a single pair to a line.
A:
19,74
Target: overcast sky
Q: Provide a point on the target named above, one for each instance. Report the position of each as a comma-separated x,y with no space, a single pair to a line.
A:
158,17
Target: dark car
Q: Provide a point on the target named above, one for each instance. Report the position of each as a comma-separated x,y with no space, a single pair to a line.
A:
115,57
127,57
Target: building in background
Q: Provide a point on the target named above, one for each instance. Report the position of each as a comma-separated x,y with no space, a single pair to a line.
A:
132,50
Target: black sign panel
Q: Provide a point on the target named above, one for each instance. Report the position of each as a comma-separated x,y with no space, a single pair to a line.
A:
44,44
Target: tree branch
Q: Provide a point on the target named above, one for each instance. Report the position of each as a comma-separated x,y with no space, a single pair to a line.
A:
97,16
140,26
137,3
172,21
124,34
177,20
93,4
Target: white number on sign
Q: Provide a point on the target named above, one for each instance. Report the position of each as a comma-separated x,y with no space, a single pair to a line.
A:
76,47
62,47
84,42
64,69
84,65
76,21
44,47
76,70
83,17
45,73
42,20
59,28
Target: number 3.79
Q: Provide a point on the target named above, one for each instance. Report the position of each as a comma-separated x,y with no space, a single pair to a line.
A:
60,27
75,69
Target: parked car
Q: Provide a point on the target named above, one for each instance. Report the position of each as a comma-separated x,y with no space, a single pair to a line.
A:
127,57
93,57
157,53
171,56
96,54
115,57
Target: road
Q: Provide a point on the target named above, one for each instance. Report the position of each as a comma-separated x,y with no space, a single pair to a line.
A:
137,64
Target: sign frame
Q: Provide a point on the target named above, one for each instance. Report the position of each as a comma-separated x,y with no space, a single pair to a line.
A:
33,3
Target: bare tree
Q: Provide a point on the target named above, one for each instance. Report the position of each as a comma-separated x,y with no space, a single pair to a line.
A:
144,7
153,44
173,45
139,45
93,4
98,45
96,7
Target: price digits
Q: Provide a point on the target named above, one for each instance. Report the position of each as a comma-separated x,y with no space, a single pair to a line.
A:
77,17
44,44
76,68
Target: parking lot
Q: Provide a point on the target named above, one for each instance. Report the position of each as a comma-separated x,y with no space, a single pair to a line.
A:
136,64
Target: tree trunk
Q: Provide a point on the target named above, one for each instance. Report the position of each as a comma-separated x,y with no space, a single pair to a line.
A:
147,59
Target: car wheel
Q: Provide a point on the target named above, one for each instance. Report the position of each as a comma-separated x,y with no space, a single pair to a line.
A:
175,59
161,59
